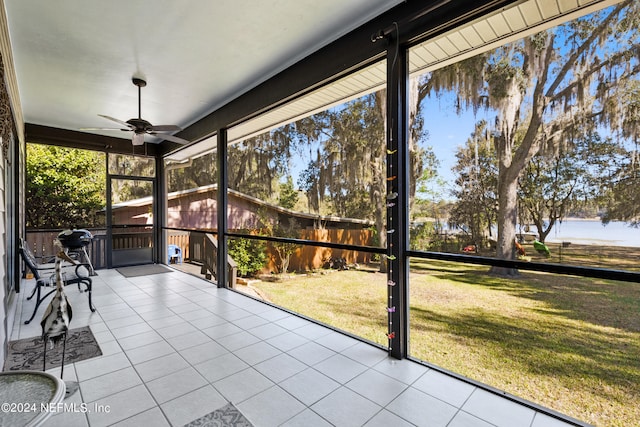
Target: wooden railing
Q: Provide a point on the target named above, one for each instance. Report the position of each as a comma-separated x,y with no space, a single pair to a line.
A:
41,244
202,249
197,247
132,240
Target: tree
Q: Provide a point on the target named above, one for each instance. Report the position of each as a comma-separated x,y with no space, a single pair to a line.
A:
65,187
288,228
552,185
353,159
620,184
547,88
307,134
288,195
256,164
198,172
476,187
348,168
623,202
426,184
622,198
131,164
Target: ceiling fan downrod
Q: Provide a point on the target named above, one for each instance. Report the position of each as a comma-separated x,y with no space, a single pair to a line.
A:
140,83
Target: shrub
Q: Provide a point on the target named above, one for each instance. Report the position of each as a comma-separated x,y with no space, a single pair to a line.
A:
249,254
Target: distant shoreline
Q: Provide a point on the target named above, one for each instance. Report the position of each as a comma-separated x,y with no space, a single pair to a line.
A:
585,231
591,231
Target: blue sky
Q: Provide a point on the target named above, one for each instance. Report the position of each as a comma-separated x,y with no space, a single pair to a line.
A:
447,132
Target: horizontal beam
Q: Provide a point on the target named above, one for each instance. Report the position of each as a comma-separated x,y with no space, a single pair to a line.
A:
74,139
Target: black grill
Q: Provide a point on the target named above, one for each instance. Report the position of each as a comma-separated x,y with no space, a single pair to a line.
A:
75,239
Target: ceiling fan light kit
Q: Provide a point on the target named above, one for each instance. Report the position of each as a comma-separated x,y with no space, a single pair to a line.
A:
138,138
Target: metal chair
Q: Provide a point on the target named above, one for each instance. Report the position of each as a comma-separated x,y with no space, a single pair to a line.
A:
72,274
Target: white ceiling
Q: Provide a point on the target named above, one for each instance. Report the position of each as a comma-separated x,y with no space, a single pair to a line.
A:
74,59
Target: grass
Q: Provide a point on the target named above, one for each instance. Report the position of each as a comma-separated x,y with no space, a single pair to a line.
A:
613,257
567,343
352,300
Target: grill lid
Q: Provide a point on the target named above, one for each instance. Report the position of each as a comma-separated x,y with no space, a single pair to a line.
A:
75,238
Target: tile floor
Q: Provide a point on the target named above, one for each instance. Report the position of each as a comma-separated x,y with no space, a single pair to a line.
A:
176,348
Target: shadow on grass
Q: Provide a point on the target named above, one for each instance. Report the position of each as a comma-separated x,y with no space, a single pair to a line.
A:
597,301
607,362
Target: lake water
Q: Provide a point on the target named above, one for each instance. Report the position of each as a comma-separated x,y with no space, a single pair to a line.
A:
593,232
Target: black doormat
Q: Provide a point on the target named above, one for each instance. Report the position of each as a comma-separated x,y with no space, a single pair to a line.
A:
143,270
28,353
227,416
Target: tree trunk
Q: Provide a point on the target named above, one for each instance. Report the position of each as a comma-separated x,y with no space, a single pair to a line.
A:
507,220
379,185
544,232
415,159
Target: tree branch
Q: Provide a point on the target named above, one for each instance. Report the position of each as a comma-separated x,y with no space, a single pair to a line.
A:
531,142
611,61
604,25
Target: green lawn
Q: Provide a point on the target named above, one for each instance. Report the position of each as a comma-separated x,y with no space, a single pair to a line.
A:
352,300
567,343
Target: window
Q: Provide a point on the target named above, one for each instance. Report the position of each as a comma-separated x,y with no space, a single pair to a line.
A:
191,177
533,161
309,173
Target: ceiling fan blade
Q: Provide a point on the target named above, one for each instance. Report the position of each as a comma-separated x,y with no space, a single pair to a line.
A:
165,128
104,129
170,138
125,124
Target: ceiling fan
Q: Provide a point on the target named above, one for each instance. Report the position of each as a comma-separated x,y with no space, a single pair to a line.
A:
139,126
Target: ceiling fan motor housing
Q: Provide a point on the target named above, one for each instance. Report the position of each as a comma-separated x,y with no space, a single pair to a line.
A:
140,125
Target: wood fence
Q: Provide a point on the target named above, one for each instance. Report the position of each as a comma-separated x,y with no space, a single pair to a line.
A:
202,248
